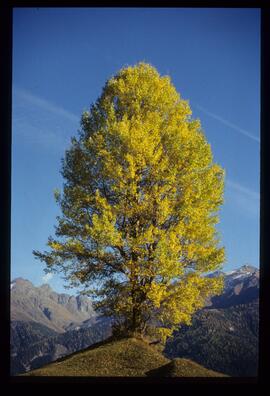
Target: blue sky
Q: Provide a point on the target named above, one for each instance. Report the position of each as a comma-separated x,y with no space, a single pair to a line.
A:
61,60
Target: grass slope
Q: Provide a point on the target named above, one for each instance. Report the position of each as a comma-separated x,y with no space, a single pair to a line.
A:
127,357
183,368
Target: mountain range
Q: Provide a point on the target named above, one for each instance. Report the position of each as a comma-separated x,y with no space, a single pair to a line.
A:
58,312
46,326
224,335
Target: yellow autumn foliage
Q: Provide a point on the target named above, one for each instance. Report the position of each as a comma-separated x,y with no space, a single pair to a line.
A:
140,206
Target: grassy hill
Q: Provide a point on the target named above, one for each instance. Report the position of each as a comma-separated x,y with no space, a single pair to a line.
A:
183,368
127,357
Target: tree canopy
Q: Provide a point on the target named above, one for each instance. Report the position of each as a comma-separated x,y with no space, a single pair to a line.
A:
140,206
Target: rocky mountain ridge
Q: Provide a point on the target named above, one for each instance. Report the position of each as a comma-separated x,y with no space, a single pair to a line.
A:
241,286
58,312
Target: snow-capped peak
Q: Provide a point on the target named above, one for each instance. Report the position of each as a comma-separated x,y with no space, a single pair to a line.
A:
230,272
236,276
242,271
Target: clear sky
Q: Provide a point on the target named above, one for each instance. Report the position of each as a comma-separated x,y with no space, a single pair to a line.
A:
61,60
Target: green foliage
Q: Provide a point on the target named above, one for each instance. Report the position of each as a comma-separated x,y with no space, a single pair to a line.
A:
139,206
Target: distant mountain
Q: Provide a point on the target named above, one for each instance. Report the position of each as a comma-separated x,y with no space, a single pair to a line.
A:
224,335
241,286
46,325
33,345
58,312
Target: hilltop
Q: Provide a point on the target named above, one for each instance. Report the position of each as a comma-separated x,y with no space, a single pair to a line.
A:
128,357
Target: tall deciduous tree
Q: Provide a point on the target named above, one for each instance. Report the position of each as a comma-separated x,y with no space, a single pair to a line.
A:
139,206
